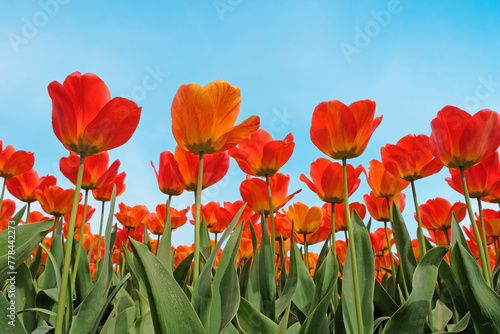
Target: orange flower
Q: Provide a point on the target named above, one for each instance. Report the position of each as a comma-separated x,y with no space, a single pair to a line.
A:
306,220
215,167
181,252
260,155
95,173
79,215
65,228
379,241
34,217
377,206
13,163
383,183
23,186
84,117
323,231
203,118
156,221
342,131
247,215
327,179
282,226
312,260
436,213
254,192
416,248
6,212
439,237
411,158
56,201
461,140
246,248
122,235
216,217
491,223
105,192
341,247
168,175
481,178
132,217
494,196
340,217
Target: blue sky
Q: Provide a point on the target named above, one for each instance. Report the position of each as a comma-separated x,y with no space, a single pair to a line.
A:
411,57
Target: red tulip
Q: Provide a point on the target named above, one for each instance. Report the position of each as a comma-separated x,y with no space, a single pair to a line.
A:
177,218
260,155
327,180
56,201
491,223
79,215
247,215
461,140
168,175
383,183
342,131
96,173
8,209
23,186
131,217
84,117
411,158
13,163
340,217
377,206
436,213
105,192
379,241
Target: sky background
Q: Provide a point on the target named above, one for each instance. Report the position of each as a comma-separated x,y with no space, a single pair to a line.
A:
411,57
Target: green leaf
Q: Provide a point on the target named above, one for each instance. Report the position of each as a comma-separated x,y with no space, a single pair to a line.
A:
83,282
326,277
463,326
10,322
317,322
267,277
290,284
183,269
171,311
483,303
164,248
384,304
303,296
365,260
412,315
251,321
205,243
253,289
47,280
284,320
448,280
25,297
457,235
441,315
143,324
26,238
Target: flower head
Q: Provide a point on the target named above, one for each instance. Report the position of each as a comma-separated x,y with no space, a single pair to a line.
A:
23,186
55,200
96,173
131,217
436,213
168,175
105,192
383,183
13,163
377,206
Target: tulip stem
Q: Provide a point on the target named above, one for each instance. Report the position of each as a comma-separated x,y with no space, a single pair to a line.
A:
388,240
80,241
334,249
61,304
197,220
158,243
167,234
306,252
483,233
484,266
357,298
98,258
3,192
271,213
420,230
447,236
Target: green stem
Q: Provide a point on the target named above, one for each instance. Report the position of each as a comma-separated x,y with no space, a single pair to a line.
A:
61,304
420,230
28,213
495,243
483,234
352,248
80,242
436,237
447,236
334,249
167,234
388,240
306,252
486,274
98,258
197,220
157,243
3,192
271,213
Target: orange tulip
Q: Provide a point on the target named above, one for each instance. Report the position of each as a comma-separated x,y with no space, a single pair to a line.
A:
491,223
254,192
34,217
96,173
245,251
177,218
481,178
65,228
377,206
84,117
379,241
260,155
8,209
383,183
306,220
247,215
341,247
79,215
23,186
215,167
282,226
494,196
13,163
416,248
168,175
181,252
203,118
131,217
105,192
436,213
216,217
411,158
461,140
56,201
342,131
323,231
312,261
327,180
340,217
123,234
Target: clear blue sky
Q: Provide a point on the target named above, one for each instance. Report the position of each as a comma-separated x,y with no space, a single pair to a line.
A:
411,57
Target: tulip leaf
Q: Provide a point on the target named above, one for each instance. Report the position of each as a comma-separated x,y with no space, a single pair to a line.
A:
383,302
83,282
164,248
441,315
407,259
183,269
326,277
171,311
365,260
252,321
10,322
21,241
483,303
25,297
448,280
412,315
47,280
253,288
143,324
317,322
267,278
457,235
290,284
303,295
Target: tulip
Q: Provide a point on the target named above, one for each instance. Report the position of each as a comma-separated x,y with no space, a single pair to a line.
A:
247,216
6,212
168,175
492,226
383,183
340,216
437,213
377,206
131,217
104,193
178,218
181,252
96,173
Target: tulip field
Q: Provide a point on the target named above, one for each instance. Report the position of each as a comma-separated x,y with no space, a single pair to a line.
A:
250,269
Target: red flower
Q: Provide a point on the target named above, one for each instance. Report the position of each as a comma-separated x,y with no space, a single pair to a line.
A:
8,209
56,201
105,192
122,235
260,155
215,167
327,180
79,215
491,223
342,131
95,173
306,220
168,175
436,213
181,252
481,178
203,118
377,206
84,117
13,163
131,217
379,241
411,158
383,183
157,220
23,186
216,217
340,217
461,140
247,215
254,192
